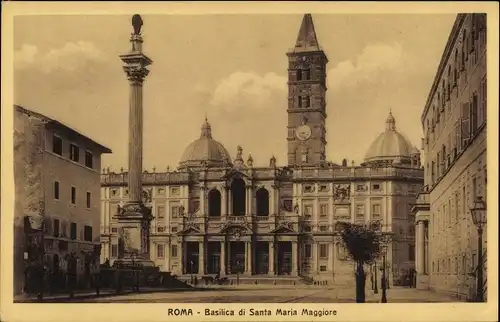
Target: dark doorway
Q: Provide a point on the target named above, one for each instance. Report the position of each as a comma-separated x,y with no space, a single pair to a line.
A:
239,198
213,265
284,258
262,197
214,203
262,258
192,257
237,257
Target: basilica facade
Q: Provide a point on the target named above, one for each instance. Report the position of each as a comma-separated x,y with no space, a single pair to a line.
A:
218,214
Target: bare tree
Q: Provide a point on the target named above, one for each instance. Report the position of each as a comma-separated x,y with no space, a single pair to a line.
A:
363,244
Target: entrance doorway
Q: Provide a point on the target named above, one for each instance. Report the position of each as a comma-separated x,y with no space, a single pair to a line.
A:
192,257
262,258
284,258
237,257
213,265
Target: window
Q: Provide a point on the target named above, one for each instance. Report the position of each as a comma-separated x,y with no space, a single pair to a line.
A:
307,101
376,187
174,251
114,230
307,229
174,229
306,74
175,211
56,228
114,192
323,250
298,75
160,191
89,203
87,233
308,210
376,211
56,190
114,250
473,114
73,195
482,109
74,153
57,145
360,210
307,250
323,228
174,191
160,229
323,210
465,124
72,232
160,212
299,101
88,160
322,268
474,190
160,251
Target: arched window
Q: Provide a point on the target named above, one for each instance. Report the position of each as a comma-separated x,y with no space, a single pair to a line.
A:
214,203
262,197
239,197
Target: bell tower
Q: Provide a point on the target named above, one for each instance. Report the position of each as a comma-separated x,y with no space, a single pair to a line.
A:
306,98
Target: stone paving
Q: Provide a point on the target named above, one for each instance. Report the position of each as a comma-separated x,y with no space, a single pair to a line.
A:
252,294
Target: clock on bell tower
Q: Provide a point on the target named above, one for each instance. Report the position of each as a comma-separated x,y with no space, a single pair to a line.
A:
306,98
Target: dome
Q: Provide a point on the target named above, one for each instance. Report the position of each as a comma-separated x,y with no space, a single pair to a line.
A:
390,145
205,151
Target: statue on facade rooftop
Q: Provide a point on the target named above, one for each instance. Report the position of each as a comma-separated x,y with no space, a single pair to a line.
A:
137,24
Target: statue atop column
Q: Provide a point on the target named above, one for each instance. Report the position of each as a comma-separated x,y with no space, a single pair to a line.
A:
137,24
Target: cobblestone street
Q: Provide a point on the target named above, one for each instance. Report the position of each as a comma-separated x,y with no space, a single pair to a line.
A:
246,294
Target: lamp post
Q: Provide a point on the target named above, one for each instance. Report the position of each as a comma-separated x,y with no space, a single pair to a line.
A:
191,263
238,272
375,291
478,213
384,278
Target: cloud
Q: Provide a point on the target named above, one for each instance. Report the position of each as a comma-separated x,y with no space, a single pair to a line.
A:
368,66
249,90
70,57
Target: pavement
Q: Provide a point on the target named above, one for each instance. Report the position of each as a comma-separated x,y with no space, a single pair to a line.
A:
272,294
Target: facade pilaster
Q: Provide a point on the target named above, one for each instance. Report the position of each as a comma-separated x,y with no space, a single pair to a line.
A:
314,251
201,266
271,258
294,258
223,258
248,258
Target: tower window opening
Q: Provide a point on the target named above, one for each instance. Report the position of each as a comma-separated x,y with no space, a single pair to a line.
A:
306,74
307,101
304,157
298,76
299,102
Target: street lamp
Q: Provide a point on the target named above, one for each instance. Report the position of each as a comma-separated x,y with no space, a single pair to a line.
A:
238,272
384,278
375,291
191,263
478,213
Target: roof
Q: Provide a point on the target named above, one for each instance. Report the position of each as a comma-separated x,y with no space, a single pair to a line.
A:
62,126
444,59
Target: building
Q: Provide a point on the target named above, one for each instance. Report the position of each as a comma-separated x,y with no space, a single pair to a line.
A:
56,176
219,214
454,123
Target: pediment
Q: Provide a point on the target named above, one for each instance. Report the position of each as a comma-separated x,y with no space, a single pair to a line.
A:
235,228
283,229
190,230
235,173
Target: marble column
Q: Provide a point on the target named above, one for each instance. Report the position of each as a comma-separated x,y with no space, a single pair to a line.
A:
271,258
294,258
248,258
201,261
229,202
203,198
420,240
250,201
272,210
223,258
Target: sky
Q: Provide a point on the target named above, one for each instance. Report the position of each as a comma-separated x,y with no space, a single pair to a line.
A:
231,68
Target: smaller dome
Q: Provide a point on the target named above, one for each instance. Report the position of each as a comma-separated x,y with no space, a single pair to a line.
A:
390,146
205,151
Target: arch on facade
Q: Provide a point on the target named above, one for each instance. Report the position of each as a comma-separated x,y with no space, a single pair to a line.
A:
214,203
238,197
262,196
